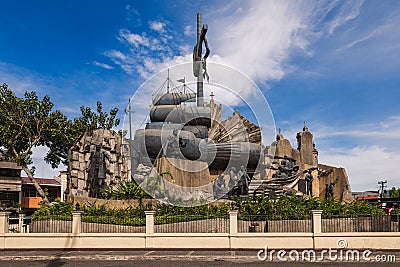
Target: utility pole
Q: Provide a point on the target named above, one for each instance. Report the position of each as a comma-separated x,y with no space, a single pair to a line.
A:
129,111
383,186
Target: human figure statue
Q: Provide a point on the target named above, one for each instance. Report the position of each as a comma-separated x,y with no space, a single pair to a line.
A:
244,180
232,178
97,171
173,148
199,61
219,187
233,183
287,167
329,190
309,179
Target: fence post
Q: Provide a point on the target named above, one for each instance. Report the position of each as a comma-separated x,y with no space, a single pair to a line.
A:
149,228
398,222
21,222
4,222
149,222
76,222
233,222
316,221
3,228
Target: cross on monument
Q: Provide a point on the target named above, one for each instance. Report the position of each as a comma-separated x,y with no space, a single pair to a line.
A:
305,128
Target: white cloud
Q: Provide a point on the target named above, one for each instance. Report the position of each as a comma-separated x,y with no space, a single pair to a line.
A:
188,30
102,65
348,11
256,37
115,54
157,26
133,38
365,166
21,80
185,49
382,132
70,110
43,170
258,40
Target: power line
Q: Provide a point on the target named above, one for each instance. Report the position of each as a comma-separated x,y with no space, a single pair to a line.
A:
383,186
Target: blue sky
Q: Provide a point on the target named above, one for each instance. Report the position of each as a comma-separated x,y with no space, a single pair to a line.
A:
334,64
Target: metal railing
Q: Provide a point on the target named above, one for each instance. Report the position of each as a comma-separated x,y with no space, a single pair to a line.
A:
360,223
205,223
113,224
191,224
51,224
274,223
14,224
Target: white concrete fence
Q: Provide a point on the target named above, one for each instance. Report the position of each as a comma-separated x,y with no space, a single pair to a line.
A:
76,239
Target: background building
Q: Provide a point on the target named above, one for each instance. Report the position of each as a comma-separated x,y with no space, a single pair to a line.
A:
10,184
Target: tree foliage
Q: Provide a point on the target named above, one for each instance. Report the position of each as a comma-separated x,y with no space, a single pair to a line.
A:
75,128
127,190
259,205
394,192
294,205
29,122
26,123
98,119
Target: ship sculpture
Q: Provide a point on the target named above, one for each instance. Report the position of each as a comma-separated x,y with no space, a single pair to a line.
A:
187,155
187,139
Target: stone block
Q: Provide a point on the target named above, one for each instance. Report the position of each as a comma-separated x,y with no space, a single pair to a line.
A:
75,165
74,155
81,184
74,173
83,166
74,183
81,174
112,144
81,157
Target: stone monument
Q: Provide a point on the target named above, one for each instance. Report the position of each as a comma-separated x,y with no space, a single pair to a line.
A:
99,159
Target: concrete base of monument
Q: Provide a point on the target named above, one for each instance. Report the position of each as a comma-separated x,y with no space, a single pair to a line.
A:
184,173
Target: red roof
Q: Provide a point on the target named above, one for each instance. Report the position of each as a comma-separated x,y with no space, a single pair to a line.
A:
42,181
366,197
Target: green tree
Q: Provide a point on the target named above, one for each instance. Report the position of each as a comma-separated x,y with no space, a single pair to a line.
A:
75,128
26,123
29,122
394,192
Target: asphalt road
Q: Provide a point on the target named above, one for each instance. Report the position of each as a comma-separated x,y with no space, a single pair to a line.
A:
162,263
159,258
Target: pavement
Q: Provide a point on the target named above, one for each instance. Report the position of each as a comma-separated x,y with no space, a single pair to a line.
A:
241,257
184,255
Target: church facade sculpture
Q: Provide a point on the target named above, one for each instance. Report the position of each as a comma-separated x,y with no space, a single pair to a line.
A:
297,170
